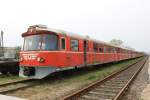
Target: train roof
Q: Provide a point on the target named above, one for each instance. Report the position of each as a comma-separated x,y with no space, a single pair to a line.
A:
58,31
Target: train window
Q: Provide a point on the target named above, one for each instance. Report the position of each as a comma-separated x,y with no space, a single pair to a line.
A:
114,50
74,45
100,49
63,44
87,46
105,50
95,47
118,50
124,51
109,50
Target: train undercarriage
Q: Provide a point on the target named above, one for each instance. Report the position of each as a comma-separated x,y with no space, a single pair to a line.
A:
36,72
9,67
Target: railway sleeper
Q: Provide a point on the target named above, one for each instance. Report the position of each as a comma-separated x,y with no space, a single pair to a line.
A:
107,90
121,76
114,84
120,80
117,82
102,93
86,97
95,96
104,86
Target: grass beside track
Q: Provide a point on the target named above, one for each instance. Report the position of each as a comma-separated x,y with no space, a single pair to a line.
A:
66,84
101,72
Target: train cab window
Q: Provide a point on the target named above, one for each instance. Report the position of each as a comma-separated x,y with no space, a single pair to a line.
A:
41,42
50,42
32,42
101,50
74,45
63,44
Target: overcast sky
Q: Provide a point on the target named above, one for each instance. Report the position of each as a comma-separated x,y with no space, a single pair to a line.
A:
128,20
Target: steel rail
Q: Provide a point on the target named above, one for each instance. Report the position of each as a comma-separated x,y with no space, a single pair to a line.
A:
118,96
14,82
25,83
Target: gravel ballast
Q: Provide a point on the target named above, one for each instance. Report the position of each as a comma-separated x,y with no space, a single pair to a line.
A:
145,95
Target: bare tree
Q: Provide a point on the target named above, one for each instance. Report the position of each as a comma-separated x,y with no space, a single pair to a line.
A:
116,42
130,48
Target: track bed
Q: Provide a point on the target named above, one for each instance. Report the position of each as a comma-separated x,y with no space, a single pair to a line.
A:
111,88
63,83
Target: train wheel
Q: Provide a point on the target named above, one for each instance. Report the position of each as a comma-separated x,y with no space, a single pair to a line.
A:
76,68
14,73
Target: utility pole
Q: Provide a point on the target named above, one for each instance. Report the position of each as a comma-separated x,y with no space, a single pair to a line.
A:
2,43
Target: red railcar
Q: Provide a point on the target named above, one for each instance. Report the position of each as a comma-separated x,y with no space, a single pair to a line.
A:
47,50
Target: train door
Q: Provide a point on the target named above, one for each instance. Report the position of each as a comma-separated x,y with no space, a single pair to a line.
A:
65,57
85,52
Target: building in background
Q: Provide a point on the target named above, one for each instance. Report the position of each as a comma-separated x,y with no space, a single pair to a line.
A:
9,52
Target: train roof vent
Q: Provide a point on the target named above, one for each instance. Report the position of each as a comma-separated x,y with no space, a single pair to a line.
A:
39,26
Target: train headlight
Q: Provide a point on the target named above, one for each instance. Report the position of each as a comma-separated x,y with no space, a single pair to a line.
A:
21,59
40,59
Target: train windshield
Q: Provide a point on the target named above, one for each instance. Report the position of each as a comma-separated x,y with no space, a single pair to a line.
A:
40,42
49,42
32,42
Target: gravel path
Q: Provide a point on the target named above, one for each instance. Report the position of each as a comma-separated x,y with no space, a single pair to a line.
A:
146,92
135,90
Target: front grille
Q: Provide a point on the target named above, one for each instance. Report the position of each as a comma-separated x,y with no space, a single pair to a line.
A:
29,71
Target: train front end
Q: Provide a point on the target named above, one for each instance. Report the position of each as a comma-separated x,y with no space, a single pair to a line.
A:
38,57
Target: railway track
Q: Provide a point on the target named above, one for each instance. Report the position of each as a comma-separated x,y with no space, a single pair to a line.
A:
16,85
112,87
